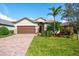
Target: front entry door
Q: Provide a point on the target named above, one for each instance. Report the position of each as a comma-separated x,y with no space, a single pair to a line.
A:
41,27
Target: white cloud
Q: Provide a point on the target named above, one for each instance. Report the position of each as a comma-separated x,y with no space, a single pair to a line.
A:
64,21
50,18
5,17
5,9
31,18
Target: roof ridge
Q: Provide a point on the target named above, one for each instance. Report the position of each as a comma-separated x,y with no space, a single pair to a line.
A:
23,19
40,18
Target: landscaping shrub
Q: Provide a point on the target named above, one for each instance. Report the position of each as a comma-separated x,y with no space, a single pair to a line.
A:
49,33
46,33
4,31
50,27
11,31
68,31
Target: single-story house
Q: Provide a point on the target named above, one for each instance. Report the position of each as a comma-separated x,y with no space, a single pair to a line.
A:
67,28
25,25
7,24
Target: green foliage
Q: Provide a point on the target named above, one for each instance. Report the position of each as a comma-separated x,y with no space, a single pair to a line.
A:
51,26
53,46
46,33
55,11
50,29
67,31
68,12
49,33
12,31
57,26
4,31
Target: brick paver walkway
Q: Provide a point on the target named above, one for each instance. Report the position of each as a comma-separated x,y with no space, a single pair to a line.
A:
15,45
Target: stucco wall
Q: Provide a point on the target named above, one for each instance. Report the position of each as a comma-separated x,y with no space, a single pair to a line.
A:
45,27
40,20
26,23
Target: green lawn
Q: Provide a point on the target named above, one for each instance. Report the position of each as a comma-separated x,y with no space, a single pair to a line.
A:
53,46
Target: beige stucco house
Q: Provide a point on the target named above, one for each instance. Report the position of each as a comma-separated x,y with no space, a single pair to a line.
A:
25,25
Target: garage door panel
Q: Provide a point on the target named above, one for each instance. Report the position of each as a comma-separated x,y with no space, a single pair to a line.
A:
25,29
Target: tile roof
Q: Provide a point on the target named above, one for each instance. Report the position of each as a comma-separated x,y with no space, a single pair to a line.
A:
5,22
23,19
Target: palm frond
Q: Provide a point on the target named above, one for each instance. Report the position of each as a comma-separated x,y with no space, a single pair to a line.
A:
58,10
52,9
50,14
55,11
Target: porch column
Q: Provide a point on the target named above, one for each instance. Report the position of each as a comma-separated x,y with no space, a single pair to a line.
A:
45,27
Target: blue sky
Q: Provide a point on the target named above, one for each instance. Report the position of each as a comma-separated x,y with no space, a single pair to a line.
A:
29,10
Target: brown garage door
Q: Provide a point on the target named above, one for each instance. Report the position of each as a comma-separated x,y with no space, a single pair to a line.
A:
25,29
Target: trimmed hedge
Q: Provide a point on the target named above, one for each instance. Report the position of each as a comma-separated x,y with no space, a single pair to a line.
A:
4,31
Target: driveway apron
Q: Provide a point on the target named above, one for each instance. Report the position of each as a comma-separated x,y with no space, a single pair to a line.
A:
15,45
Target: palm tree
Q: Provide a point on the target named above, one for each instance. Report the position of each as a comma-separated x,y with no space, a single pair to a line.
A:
54,13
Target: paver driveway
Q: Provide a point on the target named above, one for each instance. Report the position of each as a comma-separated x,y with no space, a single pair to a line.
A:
15,45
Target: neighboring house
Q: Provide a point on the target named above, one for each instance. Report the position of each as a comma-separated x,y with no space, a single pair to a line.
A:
26,25
7,24
67,27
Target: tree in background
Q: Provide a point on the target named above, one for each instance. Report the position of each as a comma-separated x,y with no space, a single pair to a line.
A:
67,14
76,17
54,12
71,14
